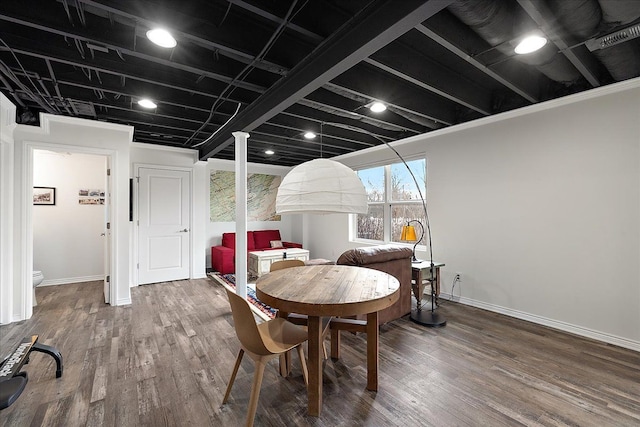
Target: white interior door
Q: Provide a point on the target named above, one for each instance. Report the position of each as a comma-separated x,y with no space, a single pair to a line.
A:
163,225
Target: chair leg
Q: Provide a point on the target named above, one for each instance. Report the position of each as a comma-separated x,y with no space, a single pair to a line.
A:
285,364
335,343
324,350
233,376
303,364
255,389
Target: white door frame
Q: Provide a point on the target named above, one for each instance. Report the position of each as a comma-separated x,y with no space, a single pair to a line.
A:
27,208
136,213
108,211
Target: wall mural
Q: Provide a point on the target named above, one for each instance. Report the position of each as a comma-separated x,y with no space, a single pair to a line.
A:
261,196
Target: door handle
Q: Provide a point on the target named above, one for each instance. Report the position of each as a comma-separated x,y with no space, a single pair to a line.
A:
102,234
186,230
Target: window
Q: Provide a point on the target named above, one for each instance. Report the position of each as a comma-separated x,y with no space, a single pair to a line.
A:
394,200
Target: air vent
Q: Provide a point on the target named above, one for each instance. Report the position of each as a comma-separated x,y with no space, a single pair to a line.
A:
613,38
83,108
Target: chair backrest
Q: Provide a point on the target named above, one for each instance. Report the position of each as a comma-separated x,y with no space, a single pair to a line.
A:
286,263
245,325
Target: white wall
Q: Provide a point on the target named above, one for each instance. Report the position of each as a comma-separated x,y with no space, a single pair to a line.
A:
289,229
538,209
67,242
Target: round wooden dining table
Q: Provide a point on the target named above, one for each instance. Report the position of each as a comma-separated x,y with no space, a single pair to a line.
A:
328,291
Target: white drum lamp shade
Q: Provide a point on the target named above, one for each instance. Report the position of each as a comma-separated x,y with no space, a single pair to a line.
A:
321,186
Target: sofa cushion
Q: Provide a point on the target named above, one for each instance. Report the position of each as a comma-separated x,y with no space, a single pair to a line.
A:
229,240
276,244
263,238
374,254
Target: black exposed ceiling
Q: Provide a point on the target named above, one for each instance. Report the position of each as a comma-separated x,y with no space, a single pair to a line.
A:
294,66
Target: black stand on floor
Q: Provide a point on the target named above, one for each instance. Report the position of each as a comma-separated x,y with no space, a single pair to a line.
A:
428,317
12,381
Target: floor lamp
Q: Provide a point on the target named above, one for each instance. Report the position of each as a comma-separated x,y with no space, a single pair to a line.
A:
420,316
423,317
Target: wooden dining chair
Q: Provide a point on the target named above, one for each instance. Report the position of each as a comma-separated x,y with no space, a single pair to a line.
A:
262,342
300,319
286,263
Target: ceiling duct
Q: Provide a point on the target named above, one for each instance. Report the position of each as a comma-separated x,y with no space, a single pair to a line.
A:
580,17
500,22
621,59
619,12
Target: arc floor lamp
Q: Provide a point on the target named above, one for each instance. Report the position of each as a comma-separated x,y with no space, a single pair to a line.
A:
423,317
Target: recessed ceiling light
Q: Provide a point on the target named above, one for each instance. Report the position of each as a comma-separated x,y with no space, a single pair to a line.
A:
147,103
269,152
161,37
530,44
309,135
378,107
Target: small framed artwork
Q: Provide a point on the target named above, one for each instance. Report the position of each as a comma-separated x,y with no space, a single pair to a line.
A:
44,196
88,196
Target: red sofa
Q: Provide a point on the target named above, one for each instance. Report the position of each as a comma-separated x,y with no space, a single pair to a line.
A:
223,257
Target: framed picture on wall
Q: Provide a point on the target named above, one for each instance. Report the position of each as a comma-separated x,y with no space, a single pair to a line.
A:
44,196
91,196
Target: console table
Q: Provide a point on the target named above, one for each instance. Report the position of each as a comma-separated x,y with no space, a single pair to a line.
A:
260,261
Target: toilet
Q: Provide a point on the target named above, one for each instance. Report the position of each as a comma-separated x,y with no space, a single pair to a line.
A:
38,277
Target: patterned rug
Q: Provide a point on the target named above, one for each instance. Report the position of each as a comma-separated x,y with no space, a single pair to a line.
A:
263,310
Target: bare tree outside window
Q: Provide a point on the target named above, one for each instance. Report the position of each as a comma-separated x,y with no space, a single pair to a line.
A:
370,226
401,196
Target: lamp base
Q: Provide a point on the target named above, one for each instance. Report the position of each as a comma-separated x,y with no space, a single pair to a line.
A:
428,318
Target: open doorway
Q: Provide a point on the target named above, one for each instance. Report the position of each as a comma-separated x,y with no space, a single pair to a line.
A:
69,219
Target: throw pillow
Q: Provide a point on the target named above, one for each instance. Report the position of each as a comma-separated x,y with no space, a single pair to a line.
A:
277,244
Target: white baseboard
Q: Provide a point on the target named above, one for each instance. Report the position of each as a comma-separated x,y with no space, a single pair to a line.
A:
556,324
123,301
16,318
65,281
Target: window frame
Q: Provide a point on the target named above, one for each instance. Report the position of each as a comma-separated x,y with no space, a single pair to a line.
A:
388,204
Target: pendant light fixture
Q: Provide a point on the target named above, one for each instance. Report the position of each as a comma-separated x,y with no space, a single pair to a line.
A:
321,186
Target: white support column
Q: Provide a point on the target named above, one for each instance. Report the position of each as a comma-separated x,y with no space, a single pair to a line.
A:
241,212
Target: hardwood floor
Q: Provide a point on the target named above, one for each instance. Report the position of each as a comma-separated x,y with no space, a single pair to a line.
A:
166,360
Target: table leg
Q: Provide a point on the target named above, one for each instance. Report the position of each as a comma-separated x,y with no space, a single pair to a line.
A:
372,351
314,390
